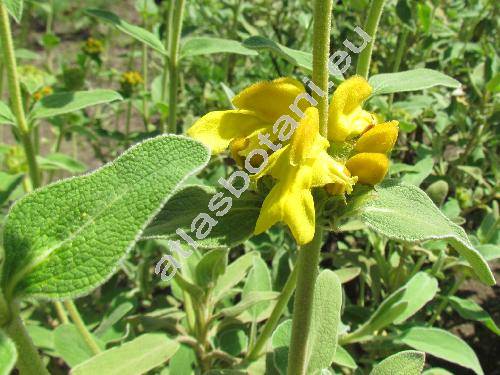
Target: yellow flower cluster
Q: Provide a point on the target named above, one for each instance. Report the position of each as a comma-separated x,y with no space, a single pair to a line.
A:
299,159
41,93
93,47
129,82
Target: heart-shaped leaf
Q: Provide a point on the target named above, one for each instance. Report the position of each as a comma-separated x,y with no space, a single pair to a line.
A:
404,212
67,238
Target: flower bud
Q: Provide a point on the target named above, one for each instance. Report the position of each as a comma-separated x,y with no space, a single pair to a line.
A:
380,138
370,168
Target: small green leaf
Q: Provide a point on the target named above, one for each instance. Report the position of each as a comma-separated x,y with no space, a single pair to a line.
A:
61,161
67,102
231,229
404,212
409,362
8,183
327,302
90,222
258,280
344,359
136,32
281,342
211,267
15,8
442,344
207,46
299,58
116,315
182,361
469,309
248,302
8,354
234,274
347,274
70,345
132,358
410,80
6,115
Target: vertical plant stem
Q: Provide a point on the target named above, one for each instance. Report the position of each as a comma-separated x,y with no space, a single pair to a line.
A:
371,25
256,351
173,65
15,95
321,49
82,328
127,122
1,94
145,109
307,268
61,313
28,361
164,88
402,39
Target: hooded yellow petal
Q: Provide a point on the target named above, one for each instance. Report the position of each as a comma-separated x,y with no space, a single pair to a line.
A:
327,171
370,168
290,201
217,129
270,99
305,137
381,138
346,117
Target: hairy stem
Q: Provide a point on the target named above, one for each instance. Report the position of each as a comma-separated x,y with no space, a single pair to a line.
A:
28,361
173,64
273,320
307,269
15,95
371,25
81,327
321,51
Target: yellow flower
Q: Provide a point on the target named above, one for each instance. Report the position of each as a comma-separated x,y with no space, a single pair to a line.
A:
129,82
298,167
370,165
44,91
258,107
346,117
93,47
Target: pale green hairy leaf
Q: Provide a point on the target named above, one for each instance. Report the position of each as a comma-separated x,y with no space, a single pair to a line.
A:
469,309
207,46
211,267
6,116
15,8
411,80
136,32
442,344
67,238
67,102
280,341
70,345
404,212
343,358
132,358
8,354
409,362
327,302
233,228
259,280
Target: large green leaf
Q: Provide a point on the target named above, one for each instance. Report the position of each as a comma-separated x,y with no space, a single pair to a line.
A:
8,354
404,212
327,302
6,115
208,45
409,362
469,309
67,102
410,80
231,229
136,32
132,358
15,8
442,344
67,238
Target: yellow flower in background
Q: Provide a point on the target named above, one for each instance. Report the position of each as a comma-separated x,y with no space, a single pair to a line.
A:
298,167
93,47
129,82
346,118
44,91
258,108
